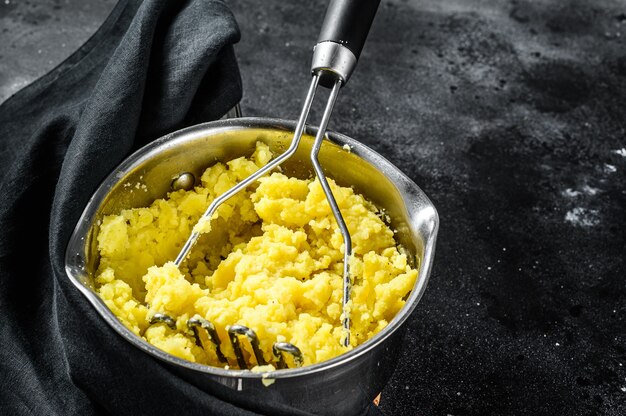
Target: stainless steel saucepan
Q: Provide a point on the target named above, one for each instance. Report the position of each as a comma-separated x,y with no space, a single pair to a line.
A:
341,386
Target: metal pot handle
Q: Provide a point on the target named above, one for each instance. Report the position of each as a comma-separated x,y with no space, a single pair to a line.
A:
234,112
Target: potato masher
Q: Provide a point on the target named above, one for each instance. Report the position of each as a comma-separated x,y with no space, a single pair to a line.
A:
343,34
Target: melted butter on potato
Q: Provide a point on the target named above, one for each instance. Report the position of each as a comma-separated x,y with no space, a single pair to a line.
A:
270,259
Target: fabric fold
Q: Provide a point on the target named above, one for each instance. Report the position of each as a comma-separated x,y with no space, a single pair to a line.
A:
137,78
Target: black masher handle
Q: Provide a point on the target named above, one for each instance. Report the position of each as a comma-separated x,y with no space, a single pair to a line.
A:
348,22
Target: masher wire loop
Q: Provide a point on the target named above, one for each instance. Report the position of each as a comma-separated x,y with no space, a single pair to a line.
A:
195,323
163,318
233,332
285,347
347,241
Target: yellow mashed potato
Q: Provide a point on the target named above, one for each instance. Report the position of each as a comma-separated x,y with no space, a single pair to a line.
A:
272,261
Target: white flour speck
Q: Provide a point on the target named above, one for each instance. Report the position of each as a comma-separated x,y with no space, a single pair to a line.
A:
582,217
570,193
609,168
589,190
621,152
585,189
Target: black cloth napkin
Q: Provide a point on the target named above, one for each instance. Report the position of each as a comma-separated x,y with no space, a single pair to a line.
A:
152,68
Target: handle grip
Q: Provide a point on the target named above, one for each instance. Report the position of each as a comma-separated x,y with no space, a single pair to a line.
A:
341,39
348,22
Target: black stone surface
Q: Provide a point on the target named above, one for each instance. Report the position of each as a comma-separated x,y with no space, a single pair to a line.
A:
511,116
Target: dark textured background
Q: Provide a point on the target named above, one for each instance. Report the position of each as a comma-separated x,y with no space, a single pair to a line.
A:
510,115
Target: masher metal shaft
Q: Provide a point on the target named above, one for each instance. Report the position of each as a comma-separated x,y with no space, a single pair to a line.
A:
347,241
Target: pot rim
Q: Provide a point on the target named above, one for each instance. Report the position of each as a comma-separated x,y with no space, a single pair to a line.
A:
75,257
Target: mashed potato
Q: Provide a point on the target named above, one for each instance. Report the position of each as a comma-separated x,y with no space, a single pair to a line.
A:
272,261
